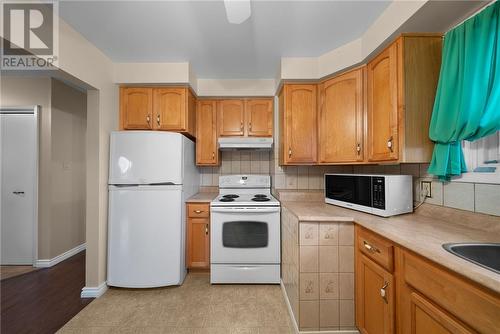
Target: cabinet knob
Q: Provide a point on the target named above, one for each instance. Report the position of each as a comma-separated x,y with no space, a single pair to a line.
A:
289,152
383,292
389,144
358,148
206,229
158,119
198,211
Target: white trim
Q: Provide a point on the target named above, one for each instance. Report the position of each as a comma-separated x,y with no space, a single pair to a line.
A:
294,321
94,292
46,263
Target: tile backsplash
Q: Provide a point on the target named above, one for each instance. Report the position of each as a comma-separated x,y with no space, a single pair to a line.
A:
477,197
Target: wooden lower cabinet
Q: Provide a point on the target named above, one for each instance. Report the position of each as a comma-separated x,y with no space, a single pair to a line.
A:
198,236
421,297
374,297
426,318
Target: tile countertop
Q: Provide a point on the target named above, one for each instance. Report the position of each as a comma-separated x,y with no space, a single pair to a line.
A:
422,232
202,197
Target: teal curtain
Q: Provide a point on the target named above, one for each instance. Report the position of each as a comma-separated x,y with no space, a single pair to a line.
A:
467,105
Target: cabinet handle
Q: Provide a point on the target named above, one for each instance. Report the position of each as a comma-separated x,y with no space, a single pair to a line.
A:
383,292
198,211
18,192
358,148
371,248
289,152
213,155
389,144
158,119
148,119
250,126
241,126
206,229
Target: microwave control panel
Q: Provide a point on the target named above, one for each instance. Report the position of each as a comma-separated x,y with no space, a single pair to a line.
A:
378,191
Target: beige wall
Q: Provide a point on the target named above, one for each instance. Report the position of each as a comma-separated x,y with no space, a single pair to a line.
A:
69,123
61,200
82,60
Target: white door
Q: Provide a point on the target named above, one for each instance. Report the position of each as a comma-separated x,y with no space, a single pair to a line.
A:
19,160
145,236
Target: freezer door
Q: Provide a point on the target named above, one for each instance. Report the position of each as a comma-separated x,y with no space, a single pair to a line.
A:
145,236
145,157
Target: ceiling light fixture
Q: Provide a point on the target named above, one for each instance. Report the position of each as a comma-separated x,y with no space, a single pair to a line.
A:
237,11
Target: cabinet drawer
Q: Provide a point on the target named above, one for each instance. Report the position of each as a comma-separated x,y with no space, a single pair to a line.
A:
201,210
376,248
474,306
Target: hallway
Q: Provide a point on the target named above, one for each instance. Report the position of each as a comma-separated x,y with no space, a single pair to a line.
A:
44,300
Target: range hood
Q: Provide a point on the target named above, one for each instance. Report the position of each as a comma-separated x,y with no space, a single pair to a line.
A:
244,143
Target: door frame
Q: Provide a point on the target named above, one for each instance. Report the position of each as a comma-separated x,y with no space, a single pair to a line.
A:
35,111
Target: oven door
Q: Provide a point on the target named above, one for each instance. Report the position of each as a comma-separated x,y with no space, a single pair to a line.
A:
245,235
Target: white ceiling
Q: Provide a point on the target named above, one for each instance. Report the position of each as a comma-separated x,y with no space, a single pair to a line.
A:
198,32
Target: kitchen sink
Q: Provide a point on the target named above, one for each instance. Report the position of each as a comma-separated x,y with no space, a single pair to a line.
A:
486,255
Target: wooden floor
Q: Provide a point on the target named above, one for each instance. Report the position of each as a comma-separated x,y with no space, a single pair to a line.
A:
44,300
13,271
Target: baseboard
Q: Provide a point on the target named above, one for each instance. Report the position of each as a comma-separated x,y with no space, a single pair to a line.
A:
46,263
289,307
295,324
94,292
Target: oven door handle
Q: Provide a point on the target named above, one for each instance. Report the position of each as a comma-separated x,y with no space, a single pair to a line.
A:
248,209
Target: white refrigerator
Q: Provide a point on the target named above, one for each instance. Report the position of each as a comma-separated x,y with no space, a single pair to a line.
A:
151,174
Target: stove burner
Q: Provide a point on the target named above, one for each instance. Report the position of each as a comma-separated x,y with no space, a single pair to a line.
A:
260,196
226,199
261,199
230,196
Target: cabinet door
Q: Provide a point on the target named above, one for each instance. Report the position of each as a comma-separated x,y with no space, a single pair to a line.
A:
382,101
198,243
191,114
427,318
374,297
341,118
170,109
259,115
206,134
300,124
231,118
136,107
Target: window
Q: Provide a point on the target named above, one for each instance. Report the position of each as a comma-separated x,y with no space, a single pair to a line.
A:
476,154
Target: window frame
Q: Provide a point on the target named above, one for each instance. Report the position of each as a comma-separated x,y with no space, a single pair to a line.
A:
475,153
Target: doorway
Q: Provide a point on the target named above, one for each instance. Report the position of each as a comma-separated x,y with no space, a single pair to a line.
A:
19,184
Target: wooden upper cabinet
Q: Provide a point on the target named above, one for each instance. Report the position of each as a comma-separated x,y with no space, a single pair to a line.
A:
299,124
231,118
158,108
136,108
340,127
259,117
206,134
170,109
382,76
402,82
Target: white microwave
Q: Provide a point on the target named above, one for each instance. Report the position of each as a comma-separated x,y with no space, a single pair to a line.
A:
382,195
